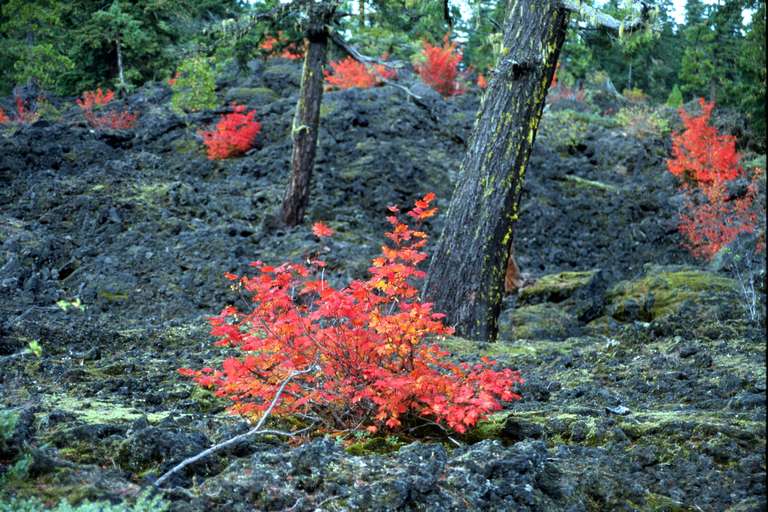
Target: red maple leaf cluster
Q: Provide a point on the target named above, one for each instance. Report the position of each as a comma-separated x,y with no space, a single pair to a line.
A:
365,346
22,115
482,82
707,162
234,134
349,73
270,45
172,81
440,69
92,105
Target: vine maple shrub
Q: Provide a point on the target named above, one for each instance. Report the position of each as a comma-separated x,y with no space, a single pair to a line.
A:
365,345
707,163
270,45
440,68
22,114
349,73
235,134
91,104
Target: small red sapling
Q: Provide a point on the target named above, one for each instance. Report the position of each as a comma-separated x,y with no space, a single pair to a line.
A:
707,163
349,73
92,101
440,69
234,134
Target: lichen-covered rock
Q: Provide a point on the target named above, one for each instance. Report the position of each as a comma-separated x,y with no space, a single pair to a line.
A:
540,321
665,290
321,475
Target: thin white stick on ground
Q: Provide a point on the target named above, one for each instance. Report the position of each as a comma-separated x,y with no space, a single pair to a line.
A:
255,430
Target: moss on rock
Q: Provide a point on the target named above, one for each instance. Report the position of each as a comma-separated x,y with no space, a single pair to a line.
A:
539,321
251,95
664,290
555,287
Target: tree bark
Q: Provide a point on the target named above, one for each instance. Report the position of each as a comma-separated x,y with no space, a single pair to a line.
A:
306,122
120,71
466,274
361,14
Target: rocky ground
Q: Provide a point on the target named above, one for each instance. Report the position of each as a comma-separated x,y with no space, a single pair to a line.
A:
645,380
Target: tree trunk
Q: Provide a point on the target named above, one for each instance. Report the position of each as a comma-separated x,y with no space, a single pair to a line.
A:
306,122
120,71
447,15
361,14
466,274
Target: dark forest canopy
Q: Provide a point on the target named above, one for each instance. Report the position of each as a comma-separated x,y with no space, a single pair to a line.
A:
71,46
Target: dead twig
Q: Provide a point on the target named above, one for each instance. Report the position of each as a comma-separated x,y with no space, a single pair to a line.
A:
255,430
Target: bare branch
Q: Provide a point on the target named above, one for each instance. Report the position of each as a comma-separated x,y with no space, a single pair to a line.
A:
599,18
255,430
243,24
355,53
364,59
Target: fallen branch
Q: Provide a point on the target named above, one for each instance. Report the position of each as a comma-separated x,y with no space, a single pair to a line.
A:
255,430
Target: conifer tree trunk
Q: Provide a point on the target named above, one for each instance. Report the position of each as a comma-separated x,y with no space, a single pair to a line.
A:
306,122
120,71
465,279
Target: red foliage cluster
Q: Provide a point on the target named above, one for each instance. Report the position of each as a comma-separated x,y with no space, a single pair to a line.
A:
440,69
707,162
93,101
482,82
22,115
95,98
553,83
349,73
174,78
290,51
560,92
364,345
234,134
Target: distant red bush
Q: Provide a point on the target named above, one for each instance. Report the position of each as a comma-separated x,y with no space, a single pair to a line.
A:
349,73
234,134
174,78
91,104
271,44
482,82
440,68
707,163
21,116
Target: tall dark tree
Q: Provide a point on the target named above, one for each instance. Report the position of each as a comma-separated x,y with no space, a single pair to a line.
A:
466,274
306,122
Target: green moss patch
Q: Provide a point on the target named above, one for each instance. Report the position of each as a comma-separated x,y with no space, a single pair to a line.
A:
555,287
96,411
662,292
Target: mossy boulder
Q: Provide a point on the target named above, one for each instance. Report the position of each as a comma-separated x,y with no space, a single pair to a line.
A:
665,290
555,287
282,76
251,95
539,321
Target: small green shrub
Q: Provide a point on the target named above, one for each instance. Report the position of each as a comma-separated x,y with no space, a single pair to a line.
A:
194,86
8,420
675,98
635,95
566,129
643,122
